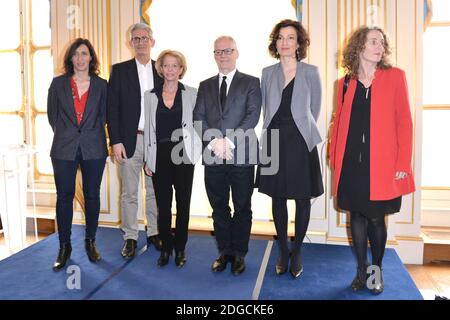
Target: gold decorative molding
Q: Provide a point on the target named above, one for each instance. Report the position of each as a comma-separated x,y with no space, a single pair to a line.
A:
409,238
17,50
436,188
100,223
349,240
436,107
108,191
440,24
429,15
318,233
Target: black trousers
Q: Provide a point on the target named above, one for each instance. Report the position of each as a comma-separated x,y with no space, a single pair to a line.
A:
232,232
65,172
180,177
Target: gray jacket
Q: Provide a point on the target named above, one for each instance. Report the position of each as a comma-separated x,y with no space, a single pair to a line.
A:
306,99
191,141
68,135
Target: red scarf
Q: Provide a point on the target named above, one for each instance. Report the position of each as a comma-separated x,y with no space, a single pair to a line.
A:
79,103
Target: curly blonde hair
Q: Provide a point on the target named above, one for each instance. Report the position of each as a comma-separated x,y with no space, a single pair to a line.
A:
356,44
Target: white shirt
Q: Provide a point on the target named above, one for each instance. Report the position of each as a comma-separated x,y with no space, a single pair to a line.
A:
145,73
229,78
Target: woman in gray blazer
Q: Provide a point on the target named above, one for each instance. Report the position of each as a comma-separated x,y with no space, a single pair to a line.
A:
76,109
291,93
171,148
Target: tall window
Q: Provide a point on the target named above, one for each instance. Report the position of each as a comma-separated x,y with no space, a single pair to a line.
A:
27,70
436,109
12,104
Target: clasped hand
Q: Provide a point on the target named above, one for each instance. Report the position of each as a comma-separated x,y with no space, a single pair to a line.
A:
222,149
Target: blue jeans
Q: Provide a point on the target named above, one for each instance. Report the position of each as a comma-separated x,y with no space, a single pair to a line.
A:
65,174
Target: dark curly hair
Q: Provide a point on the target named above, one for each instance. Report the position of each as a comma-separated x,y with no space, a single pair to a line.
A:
93,64
302,38
356,44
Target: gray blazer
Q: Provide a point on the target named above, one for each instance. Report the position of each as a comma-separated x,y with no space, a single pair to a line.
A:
68,136
191,141
306,99
241,111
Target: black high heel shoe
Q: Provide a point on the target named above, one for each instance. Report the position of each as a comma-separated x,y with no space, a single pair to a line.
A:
378,288
65,249
359,282
164,258
281,268
282,265
283,258
296,269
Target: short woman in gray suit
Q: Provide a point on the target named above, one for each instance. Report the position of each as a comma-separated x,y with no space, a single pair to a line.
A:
171,150
291,92
76,109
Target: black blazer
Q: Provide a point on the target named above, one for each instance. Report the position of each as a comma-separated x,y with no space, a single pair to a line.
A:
124,103
68,136
241,111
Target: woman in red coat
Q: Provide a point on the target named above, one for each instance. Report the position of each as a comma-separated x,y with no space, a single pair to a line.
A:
371,145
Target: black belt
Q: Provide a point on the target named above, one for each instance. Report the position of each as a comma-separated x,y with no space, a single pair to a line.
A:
140,132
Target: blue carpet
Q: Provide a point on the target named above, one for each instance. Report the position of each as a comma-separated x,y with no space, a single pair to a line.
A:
328,272
29,275
143,279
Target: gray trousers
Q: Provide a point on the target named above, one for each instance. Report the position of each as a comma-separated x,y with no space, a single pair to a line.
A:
131,171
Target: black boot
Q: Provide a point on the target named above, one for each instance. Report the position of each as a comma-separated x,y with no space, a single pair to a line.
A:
91,250
359,282
283,258
65,249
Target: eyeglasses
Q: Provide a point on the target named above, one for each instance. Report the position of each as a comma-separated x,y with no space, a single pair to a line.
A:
226,52
140,39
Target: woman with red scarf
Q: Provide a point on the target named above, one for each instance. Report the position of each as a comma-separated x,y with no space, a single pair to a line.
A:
76,110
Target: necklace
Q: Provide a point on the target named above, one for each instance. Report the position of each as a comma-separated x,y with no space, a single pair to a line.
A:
365,88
